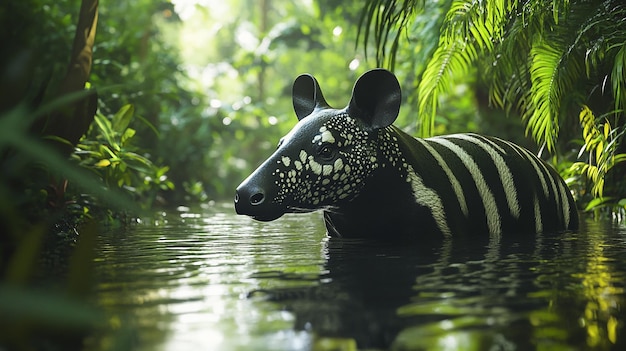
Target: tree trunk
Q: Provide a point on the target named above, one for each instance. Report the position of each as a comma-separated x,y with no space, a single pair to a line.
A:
72,121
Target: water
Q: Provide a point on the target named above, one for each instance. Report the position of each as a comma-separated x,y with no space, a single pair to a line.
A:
210,280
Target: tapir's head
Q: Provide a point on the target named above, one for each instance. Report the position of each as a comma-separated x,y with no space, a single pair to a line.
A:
327,157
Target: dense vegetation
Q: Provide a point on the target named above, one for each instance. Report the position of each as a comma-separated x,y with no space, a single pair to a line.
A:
556,65
122,106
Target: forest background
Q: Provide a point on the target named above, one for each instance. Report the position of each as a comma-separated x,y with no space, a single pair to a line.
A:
193,95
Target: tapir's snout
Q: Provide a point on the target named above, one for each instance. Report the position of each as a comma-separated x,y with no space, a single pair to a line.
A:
251,199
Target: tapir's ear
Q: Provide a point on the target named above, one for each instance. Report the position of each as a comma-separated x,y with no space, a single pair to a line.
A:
376,99
307,96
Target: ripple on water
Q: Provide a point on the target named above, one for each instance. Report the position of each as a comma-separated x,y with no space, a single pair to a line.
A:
213,280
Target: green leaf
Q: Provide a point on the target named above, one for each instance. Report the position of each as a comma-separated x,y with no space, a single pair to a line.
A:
161,171
47,307
122,118
597,203
618,78
105,149
57,139
36,150
106,130
22,263
103,163
128,134
149,125
139,163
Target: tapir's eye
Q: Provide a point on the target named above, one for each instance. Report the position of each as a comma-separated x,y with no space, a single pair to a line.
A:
327,151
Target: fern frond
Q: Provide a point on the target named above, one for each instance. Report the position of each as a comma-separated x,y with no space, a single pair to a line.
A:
484,22
545,93
618,77
558,9
555,70
470,29
385,19
508,68
455,58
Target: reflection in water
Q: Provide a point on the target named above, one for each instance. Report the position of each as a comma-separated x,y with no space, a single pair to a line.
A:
182,282
603,297
219,282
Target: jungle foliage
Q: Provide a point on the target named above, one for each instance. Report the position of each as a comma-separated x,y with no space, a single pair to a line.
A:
114,107
547,61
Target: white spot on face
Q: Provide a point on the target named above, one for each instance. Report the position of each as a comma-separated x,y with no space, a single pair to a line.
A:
315,167
308,181
327,137
338,165
286,161
303,156
327,170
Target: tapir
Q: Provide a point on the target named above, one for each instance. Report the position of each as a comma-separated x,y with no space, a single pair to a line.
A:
372,180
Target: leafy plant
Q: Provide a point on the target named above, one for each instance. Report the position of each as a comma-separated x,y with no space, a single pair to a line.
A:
29,223
600,142
108,151
543,59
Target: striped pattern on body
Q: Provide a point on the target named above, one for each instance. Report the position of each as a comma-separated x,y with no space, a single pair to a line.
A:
487,184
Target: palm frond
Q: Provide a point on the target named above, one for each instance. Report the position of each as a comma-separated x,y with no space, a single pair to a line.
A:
482,22
545,93
539,56
470,29
618,77
559,8
447,61
386,18
508,67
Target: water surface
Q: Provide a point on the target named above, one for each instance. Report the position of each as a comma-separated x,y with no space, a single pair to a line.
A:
207,279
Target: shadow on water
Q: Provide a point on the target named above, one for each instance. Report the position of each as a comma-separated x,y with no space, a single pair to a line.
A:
559,291
210,280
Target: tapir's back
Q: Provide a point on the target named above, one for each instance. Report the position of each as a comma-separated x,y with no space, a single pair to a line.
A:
488,184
